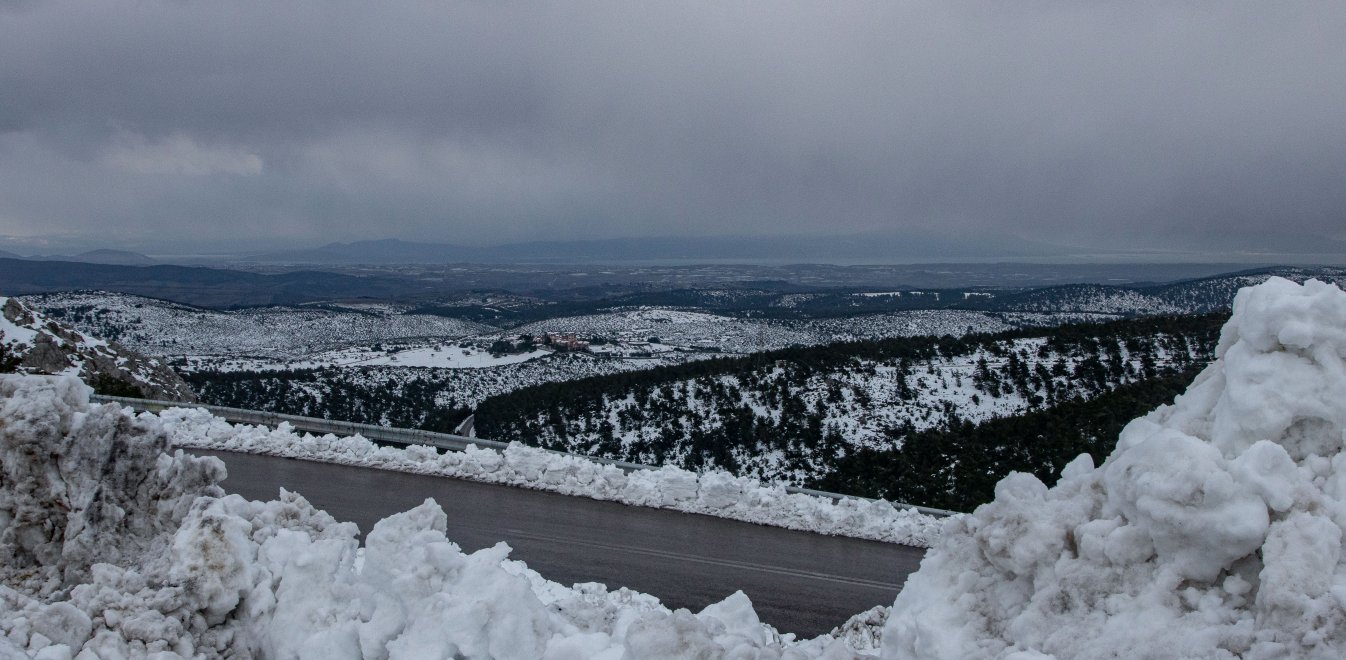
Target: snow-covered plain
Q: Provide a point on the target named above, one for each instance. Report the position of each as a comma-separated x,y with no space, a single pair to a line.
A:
437,355
1214,530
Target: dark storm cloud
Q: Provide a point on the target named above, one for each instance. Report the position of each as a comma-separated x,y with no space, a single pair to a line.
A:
1099,123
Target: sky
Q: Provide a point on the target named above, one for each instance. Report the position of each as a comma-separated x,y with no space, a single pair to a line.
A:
1089,123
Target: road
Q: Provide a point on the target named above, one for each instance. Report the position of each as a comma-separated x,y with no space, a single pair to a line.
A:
799,582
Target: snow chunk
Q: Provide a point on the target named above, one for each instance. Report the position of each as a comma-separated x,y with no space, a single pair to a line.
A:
1214,530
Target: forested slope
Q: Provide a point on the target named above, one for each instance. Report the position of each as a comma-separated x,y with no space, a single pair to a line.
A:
797,414
957,467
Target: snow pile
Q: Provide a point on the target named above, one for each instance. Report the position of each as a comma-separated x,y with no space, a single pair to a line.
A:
110,547
1214,530
713,493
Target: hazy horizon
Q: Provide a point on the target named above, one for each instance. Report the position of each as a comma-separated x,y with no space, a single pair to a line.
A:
648,250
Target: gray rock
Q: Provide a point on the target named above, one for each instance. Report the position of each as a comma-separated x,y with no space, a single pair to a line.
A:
59,348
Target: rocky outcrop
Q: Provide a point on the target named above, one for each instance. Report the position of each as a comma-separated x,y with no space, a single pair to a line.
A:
33,343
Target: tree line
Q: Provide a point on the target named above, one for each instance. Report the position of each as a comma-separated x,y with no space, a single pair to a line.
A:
416,402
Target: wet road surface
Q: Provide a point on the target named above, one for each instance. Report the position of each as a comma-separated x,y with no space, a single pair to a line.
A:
799,582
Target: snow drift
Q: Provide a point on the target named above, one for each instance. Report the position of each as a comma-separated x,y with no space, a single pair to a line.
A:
1214,530
110,547
713,493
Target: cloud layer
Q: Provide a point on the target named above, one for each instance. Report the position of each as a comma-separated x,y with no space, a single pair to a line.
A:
1092,123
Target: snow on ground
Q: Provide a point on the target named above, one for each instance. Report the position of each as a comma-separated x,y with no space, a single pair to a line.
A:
451,357
454,387
1214,530
110,547
672,327
436,355
158,327
711,493
40,345
869,404
13,333
726,334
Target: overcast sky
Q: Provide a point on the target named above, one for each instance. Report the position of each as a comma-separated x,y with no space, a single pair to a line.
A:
1090,122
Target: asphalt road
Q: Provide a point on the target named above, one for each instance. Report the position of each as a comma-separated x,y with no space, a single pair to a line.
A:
799,582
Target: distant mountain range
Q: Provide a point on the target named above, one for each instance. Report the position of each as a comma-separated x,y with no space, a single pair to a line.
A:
206,287
115,257
878,248
102,256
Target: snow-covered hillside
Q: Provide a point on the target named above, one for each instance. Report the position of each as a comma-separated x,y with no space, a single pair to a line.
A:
1094,298
937,322
1218,292
374,382
1214,530
158,327
1188,297
792,418
363,335
33,343
376,394
715,333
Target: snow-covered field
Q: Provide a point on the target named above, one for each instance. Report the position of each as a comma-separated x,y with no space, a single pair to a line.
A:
437,355
678,328
1214,530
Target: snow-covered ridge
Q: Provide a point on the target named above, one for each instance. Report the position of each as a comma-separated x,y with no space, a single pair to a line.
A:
110,547
1214,530
31,342
813,413
169,329
712,493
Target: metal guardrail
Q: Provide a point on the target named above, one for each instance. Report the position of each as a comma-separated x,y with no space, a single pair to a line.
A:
390,435
405,437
